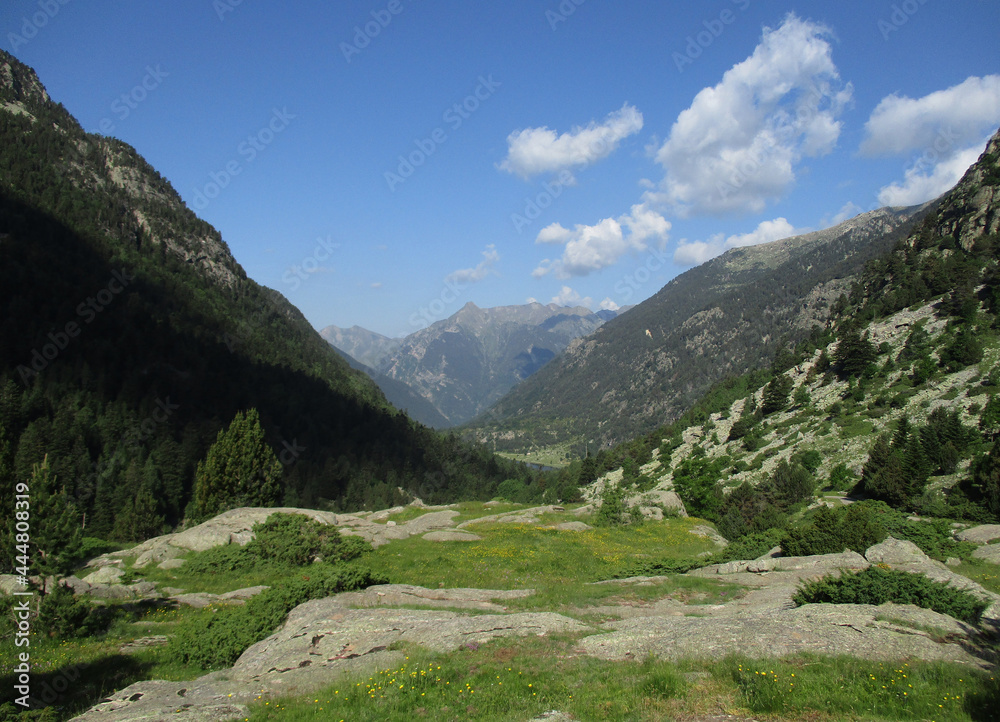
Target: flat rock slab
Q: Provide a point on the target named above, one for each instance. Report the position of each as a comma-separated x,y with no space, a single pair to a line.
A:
447,536
982,534
379,534
395,595
837,629
989,553
321,642
521,516
573,526
894,551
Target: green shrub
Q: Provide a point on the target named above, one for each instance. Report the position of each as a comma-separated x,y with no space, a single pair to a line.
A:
218,641
282,541
751,546
831,531
876,585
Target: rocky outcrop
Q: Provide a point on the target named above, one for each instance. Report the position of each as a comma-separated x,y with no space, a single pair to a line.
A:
982,534
322,641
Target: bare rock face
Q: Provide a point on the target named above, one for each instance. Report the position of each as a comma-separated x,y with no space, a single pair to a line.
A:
446,536
896,551
982,534
849,629
321,641
989,553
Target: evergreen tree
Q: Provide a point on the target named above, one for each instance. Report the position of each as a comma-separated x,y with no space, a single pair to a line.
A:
138,519
776,394
240,469
986,481
55,529
989,422
854,354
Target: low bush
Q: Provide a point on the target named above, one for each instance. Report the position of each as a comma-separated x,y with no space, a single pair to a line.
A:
282,541
855,527
219,640
877,585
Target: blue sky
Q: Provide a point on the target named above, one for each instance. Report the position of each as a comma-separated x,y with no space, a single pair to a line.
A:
383,162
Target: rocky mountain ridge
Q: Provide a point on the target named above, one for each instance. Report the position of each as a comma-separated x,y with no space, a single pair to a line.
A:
719,319
462,364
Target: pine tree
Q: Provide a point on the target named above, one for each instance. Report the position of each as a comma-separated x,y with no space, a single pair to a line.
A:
55,527
240,469
776,394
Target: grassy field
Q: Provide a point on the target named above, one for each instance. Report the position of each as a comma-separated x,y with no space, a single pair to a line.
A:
520,679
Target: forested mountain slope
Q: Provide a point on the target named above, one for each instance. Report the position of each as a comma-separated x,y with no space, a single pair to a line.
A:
130,336
719,319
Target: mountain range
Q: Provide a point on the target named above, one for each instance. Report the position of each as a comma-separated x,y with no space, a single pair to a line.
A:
465,363
720,319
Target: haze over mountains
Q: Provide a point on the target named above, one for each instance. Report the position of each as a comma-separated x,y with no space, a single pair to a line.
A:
721,318
465,363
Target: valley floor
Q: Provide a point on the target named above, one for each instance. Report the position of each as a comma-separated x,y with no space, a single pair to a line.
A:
497,612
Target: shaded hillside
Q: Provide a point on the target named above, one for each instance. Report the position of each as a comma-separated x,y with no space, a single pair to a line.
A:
464,363
130,337
722,318
363,345
401,396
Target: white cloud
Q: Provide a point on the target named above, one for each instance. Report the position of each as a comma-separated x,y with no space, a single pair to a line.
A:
848,211
534,151
568,297
592,248
955,117
922,184
377,284
738,144
949,128
694,253
485,268
608,305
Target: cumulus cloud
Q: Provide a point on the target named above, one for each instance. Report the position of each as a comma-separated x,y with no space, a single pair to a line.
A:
608,305
948,128
481,271
848,210
534,151
694,253
738,144
568,297
591,248
960,115
924,182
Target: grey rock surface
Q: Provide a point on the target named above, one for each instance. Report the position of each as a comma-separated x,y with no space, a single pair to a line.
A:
321,641
894,551
989,553
841,629
446,536
982,534
105,575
